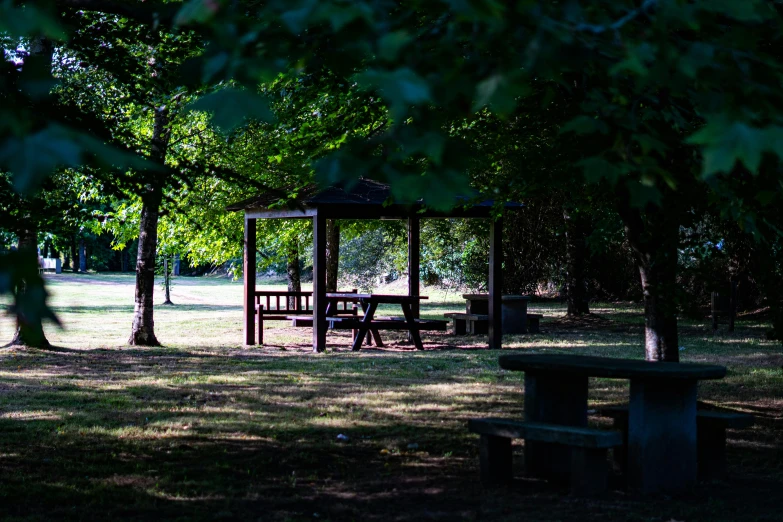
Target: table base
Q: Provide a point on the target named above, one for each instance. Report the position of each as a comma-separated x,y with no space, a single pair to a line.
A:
555,399
662,435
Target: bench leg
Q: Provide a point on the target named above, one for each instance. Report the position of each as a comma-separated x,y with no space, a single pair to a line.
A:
532,325
495,459
711,452
620,453
480,327
377,336
260,329
557,400
459,326
588,471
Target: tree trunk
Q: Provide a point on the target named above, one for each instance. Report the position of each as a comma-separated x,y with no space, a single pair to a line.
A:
577,228
294,274
29,333
66,260
82,256
653,233
167,281
75,255
143,329
332,254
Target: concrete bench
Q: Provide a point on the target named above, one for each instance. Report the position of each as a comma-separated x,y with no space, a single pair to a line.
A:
478,324
588,447
464,323
711,426
533,323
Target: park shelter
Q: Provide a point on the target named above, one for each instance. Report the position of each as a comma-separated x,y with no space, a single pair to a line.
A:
365,199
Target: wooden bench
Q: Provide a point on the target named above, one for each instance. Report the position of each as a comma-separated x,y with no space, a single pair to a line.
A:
464,323
711,426
589,466
724,304
280,305
477,324
50,264
384,323
533,325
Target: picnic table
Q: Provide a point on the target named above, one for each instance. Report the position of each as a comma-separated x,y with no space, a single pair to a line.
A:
513,310
662,452
369,323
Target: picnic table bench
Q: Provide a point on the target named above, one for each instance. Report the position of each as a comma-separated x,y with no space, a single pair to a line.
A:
711,426
477,324
281,305
50,264
661,441
475,319
588,466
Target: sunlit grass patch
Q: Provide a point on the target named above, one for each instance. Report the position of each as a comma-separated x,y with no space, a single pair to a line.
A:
205,428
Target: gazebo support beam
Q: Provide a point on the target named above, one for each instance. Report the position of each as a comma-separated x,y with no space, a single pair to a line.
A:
319,282
496,283
249,270
414,253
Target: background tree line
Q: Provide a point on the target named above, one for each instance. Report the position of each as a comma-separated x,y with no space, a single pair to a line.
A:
643,131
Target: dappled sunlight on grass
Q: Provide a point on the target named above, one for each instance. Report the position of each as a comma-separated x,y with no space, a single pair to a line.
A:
204,428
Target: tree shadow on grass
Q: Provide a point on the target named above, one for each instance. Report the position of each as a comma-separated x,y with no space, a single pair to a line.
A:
200,434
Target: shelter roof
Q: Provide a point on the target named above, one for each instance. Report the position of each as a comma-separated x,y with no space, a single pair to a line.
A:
368,199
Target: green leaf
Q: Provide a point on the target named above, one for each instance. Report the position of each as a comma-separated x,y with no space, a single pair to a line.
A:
297,19
642,194
724,143
585,125
197,12
390,44
34,157
401,87
597,168
36,77
740,10
231,108
497,93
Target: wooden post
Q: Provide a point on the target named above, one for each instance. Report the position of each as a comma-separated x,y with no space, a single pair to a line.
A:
319,282
714,309
82,256
496,283
732,305
167,280
414,252
250,281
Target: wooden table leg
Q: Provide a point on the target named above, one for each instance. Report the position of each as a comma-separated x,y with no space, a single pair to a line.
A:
377,336
372,333
556,399
364,326
411,320
662,435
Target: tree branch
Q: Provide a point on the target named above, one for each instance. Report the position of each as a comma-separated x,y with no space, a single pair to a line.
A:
616,26
147,12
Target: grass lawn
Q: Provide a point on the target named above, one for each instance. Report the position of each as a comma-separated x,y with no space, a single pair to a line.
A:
205,429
